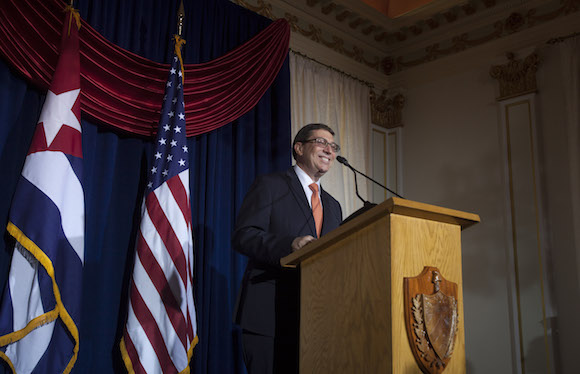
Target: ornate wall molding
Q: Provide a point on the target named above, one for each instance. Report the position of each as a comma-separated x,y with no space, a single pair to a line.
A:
387,111
389,46
516,77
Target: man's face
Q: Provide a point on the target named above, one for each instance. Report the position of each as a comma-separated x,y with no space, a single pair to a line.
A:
314,159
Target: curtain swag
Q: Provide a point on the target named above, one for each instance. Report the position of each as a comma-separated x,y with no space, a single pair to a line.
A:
125,91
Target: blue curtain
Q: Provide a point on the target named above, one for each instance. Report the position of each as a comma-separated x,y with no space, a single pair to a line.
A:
223,165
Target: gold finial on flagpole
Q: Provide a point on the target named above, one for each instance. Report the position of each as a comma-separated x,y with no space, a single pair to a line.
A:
180,17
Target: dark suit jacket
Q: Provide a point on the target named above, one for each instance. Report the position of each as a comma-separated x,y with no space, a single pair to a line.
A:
275,211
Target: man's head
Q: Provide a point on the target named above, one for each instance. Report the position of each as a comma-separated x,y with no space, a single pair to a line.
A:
314,149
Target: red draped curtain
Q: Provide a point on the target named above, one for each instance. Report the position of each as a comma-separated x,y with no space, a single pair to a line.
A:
125,91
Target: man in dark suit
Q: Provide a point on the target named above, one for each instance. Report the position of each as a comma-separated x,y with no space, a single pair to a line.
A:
280,214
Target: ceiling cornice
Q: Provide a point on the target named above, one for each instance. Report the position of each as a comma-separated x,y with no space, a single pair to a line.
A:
355,34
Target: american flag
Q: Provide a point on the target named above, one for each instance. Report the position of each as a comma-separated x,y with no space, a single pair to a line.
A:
161,329
40,308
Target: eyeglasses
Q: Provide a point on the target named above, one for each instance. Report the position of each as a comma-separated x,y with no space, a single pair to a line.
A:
321,142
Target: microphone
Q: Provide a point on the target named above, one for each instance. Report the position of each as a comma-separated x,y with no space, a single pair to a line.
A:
344,161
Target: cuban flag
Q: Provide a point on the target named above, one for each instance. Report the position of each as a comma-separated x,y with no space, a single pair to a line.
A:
161,329
40,307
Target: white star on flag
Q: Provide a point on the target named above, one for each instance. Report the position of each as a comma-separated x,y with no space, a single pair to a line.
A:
57,111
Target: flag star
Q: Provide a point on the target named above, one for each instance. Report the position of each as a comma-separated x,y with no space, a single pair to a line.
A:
153,170
166,127
169,157
179,73
184,148
172,70
181,116
174,100
177,128
158,155
57,111
162,141
168,84
174,143
179,86
171,114
150,184
175,58
164,97
165,172
181,162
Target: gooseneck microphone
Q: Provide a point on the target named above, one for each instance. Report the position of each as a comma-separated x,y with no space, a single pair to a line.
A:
344,161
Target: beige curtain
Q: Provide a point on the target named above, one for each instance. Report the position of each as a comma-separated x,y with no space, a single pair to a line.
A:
323,95
570,55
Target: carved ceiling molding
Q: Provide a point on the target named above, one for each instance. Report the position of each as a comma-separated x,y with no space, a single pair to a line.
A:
515,22
387,110
392,46
517,77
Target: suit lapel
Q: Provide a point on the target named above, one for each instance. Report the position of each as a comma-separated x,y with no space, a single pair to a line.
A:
327,212
301,200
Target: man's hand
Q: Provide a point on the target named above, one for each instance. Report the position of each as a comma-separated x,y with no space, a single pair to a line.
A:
301,241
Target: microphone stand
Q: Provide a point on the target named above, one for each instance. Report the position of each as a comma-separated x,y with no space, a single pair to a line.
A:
366,205
365,202
344,161
372,180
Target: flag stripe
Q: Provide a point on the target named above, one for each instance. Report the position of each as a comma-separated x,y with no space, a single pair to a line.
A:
137,367
169,300
153,240
172,210
158,311
151,329
167,235
145,353
52,174
180,195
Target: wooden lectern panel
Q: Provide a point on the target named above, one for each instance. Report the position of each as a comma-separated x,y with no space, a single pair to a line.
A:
345,310
422,243
352,317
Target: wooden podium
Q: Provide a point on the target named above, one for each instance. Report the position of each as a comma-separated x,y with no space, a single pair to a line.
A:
352,317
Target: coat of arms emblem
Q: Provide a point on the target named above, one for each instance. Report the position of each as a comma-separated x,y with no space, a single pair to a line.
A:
431,319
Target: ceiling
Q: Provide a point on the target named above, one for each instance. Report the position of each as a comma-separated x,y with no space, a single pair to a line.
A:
396,8
373,42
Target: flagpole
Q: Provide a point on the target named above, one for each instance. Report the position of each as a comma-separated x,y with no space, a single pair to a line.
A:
180,17
178,39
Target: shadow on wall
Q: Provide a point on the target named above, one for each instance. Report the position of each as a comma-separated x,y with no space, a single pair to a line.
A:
465,186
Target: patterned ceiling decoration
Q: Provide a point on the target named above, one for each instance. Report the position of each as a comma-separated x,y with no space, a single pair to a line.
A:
440,28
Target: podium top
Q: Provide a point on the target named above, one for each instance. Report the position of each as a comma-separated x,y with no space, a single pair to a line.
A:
393,205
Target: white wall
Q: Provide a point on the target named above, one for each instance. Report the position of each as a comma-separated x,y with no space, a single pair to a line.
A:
556,179
451,158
